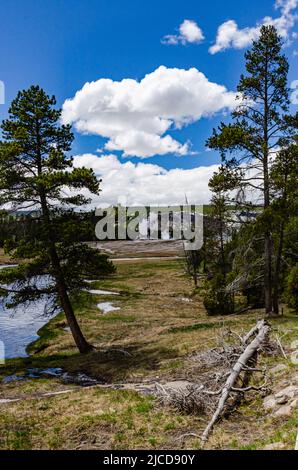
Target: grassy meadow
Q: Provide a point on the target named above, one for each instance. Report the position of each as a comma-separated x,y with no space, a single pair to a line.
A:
152,338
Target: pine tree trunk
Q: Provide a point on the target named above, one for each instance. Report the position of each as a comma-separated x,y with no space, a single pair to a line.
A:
267,247
222,249
276,289
268,236
268,274
81,343
277,272
195,277
76,331
204,257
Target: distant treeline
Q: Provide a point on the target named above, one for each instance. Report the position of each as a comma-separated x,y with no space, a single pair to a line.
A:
27,225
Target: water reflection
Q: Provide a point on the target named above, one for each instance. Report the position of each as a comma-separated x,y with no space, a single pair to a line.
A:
19,326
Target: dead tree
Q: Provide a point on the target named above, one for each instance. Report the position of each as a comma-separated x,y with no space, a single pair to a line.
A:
223,376
260,333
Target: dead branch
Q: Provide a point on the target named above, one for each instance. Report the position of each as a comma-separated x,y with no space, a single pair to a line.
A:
261,330
261,388
223,375
278,340
187,434
251,332
190,401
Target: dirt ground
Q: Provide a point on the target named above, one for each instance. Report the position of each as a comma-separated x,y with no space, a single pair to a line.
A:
141,248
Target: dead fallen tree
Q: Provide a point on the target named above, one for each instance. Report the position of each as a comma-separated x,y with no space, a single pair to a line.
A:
224,377
261,332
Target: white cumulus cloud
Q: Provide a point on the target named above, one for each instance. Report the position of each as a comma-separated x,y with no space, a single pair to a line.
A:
136,116
229,35
286,6
145,183
189,32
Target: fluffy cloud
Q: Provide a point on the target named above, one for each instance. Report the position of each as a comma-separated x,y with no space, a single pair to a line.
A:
286,6
145,183
230,36
135,116
142,144
189,32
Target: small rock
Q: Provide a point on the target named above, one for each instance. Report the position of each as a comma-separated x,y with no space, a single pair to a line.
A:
79,379
294,403
284,383
286,410
274,446
289,391
282,400
294,378
269,402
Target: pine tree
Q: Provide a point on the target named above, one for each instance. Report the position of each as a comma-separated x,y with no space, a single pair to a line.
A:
284,176
37,174
216,298
261,125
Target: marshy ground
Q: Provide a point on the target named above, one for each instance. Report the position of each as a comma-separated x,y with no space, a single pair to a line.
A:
160,324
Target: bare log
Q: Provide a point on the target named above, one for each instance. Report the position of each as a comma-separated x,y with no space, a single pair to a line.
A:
261,330
281,347
255,329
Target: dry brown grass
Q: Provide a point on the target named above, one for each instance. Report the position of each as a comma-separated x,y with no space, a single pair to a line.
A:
160,330
155,324
4,259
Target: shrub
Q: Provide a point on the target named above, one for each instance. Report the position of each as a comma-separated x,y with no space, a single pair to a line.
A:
216,300
291,290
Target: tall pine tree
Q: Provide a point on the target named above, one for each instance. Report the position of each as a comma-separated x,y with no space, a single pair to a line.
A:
261,126
36,173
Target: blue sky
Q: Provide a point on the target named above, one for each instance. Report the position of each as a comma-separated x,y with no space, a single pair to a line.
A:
62,44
